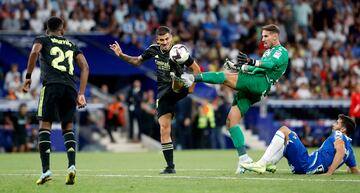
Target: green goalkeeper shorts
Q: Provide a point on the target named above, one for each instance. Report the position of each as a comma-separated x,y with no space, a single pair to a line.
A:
251,89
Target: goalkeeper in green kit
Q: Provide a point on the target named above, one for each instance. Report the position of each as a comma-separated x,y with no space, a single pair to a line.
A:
252,80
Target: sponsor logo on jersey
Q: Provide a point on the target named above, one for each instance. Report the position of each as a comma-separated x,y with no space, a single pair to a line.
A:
277,54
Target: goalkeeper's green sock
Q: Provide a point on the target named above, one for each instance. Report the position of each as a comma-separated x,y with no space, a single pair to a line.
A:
237,137
211,77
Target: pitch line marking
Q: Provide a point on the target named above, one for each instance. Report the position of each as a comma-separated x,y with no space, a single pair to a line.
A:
201,177
150,170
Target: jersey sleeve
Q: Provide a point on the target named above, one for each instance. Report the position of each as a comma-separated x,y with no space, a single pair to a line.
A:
148,53
76,50
189,61
39,40
337,135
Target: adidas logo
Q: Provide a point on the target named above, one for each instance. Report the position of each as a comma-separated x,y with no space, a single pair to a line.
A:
71,149
47,151
156,56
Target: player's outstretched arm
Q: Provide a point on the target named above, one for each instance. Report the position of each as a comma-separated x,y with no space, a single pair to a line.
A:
84,67
196,70
338,158
134,60
244,59
34,54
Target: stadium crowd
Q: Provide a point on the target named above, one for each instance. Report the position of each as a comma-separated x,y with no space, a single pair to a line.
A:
322,37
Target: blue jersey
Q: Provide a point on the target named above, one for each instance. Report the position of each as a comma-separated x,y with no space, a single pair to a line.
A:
301,162
321,159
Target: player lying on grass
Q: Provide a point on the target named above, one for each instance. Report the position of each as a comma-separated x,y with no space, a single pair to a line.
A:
333,153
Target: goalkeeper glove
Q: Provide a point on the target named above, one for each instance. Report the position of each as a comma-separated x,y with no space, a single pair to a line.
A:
244,59
229,65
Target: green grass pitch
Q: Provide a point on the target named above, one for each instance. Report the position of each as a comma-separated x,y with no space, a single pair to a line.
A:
200,171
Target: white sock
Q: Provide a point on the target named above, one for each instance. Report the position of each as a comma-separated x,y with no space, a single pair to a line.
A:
276,144
278,155
245,158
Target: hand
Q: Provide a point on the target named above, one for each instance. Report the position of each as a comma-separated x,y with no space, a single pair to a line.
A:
244,59
188,79
116,48
229,65
26,85
81,101
326,174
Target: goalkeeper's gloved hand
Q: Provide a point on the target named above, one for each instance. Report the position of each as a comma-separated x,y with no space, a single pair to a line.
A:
229,65
244,59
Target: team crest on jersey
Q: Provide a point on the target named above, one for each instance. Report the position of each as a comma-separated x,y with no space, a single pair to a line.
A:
338,135
277,54
266,53
162,65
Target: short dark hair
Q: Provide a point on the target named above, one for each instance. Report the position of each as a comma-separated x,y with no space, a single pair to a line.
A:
54,24
162,30
271,28
22,105
348,123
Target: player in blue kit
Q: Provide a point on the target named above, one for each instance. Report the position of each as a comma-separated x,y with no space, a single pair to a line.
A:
333,153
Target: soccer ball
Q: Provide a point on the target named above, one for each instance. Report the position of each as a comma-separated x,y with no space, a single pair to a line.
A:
179,53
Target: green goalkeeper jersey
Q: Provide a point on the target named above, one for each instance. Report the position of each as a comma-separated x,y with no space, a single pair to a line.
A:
273,63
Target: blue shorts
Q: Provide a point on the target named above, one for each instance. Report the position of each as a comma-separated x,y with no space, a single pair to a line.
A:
297,155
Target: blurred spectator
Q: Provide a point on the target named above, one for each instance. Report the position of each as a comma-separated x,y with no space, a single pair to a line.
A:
36,24
354,112
224,9
140,25
87,23
115,117
20,133
74,23
134,98
11,76
305,135
44,10
303,12
205,124
121,11
303,92
195,17
148,114
97,119
7,132
11,23
183,123
105,23
221,108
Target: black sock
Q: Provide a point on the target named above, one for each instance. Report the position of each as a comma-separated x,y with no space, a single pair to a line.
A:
168,151
44,148
70,145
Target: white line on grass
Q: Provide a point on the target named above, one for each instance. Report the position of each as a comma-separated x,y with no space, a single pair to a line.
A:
150,170
202,177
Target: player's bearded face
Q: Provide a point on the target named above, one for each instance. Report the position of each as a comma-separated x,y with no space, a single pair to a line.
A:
337,125
164,41
269,39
